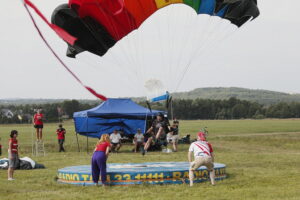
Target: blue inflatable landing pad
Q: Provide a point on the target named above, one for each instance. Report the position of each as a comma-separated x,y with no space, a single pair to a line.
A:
140,173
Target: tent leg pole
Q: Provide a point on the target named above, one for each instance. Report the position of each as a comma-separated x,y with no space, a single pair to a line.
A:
172,114
77,143
87,145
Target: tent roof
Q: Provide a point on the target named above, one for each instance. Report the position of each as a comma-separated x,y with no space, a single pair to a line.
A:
117,108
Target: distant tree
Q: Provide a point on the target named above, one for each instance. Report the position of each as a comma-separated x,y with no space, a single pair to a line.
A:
239,111
70,107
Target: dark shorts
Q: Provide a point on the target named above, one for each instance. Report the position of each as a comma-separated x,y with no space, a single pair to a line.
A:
38,126
61,141
13,161
115,144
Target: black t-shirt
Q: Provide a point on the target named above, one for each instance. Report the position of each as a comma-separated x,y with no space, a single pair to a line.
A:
174,130
156,125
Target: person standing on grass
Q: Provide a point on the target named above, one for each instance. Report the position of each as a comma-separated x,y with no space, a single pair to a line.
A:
203,154
38,124
138,140
115,139
13,157
61,137
99,159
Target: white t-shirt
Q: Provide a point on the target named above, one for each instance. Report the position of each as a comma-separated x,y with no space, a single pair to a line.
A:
115,138
139,137
200,148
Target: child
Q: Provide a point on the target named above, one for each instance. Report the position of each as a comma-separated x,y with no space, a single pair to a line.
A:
12,154
138,140
61,137
99,159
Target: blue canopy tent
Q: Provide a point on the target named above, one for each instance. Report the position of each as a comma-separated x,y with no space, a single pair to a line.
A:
120,114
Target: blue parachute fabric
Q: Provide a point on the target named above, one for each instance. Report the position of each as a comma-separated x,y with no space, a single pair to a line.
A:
160,98
207,7
222,12
113,114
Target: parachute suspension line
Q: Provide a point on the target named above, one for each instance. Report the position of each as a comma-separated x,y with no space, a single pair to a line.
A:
226,33
135,59
194,48
91,90
116,32
113,28
88,60
140,56
146,119
188,40
171,37
160,38
192,45
211,45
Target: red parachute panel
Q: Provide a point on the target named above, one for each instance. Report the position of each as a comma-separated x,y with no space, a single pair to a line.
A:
112,14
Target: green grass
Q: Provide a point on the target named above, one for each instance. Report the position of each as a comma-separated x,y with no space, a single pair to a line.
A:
262,158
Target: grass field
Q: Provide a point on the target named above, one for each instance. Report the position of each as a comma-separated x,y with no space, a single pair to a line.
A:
262,158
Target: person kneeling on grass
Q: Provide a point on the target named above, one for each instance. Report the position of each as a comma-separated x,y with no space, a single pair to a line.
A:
115,139
99,159
203,153
13,157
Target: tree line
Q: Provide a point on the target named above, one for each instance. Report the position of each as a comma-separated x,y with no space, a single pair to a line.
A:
184,109
54,112
232,108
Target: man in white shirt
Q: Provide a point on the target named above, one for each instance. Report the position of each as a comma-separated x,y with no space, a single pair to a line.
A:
138,140
203,154
115,139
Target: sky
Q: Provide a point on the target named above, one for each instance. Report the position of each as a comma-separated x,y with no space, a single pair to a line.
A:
264,54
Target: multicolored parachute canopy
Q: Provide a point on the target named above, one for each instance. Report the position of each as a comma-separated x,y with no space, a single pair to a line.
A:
99,24
151,43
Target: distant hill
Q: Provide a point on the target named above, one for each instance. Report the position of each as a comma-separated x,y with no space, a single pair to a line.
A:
265,97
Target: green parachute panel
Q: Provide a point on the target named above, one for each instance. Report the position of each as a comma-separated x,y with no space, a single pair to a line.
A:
193,3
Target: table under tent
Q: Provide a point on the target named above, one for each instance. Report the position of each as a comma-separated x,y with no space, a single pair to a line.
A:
114,114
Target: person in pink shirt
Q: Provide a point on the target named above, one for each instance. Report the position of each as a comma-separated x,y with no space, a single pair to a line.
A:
99,159
38,124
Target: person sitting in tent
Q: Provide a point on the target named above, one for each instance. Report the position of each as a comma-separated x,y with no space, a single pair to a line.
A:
176,122
203,154
157,133
173,136
115,139
138,140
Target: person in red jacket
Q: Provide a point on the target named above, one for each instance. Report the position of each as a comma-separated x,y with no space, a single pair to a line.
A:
38,124
61,137
13,156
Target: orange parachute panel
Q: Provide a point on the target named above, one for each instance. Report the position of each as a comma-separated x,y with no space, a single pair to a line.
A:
140,9
163,3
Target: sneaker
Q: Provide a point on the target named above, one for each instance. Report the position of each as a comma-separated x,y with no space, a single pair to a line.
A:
10,179
143,152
